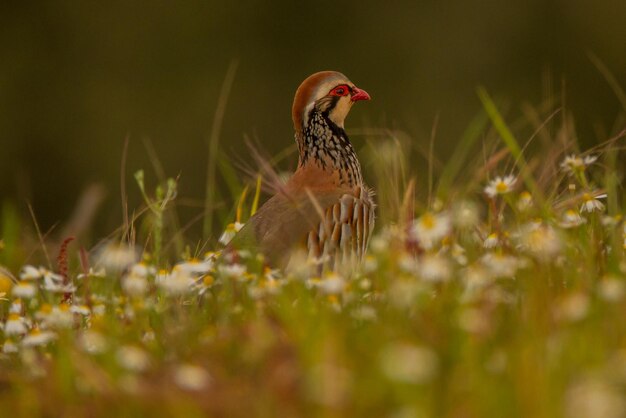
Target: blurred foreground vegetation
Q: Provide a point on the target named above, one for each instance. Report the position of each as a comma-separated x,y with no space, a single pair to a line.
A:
495,285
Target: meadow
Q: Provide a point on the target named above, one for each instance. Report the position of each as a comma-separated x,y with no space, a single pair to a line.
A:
494,286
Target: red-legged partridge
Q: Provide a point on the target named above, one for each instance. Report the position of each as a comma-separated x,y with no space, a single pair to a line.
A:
324,207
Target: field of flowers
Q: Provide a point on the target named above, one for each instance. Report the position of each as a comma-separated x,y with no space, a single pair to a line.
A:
499,291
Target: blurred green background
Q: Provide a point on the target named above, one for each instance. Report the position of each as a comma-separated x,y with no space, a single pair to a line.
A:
77,78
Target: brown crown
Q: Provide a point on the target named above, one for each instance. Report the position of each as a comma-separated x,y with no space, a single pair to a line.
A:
305,93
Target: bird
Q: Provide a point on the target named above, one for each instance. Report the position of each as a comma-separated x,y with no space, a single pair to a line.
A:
324,208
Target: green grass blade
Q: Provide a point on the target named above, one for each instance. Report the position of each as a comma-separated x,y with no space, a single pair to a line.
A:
257,195
509,140
214,136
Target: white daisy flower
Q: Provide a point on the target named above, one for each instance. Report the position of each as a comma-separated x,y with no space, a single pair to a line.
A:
430,228
81,310
476,278
459,254
573,163
99,309
43,312
465,214
525,201
232,271
161,276
37,338
93,342
230,232
10,347
135,285
58,317
434,268
500,185
92,273
142,269
16,306
269,285
176,284
540,240
491,241
117,257
408,263
592,203
332,284
571,219
195,267
15,325
24,290
500,265
29,272
54,283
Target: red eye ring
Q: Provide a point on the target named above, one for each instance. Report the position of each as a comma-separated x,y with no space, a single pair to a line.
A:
342,90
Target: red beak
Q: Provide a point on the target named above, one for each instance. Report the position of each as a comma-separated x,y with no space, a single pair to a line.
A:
359,95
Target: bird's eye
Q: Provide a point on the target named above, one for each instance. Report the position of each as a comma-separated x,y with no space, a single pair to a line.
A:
339,91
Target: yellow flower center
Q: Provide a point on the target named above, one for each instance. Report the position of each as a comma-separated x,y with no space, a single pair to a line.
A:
501,187
5,283
428,221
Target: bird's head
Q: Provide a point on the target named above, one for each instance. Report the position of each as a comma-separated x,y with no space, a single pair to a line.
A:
328,92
